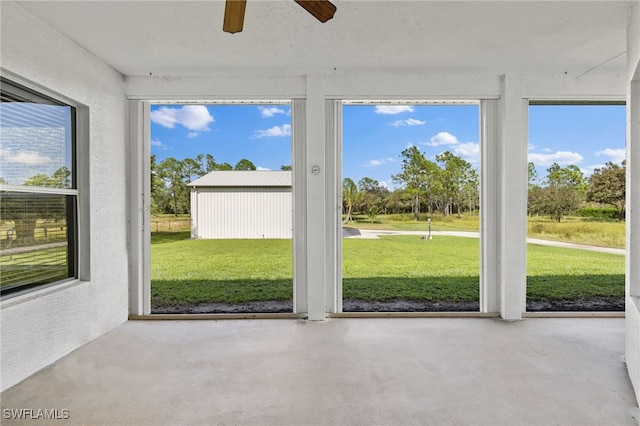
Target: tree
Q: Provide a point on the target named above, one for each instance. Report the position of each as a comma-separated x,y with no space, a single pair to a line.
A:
172,174
244,164
349,195
570,176
207,163
533,174
457,180
563,191
159,198
224,166
371,196
607,185
413,176
285,168
191,169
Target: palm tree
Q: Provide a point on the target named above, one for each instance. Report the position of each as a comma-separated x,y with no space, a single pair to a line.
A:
349,195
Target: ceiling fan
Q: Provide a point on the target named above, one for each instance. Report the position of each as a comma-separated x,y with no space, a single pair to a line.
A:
323,10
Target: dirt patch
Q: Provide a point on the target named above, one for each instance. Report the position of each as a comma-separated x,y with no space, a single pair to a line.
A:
225,308
594,304
601,304
351,305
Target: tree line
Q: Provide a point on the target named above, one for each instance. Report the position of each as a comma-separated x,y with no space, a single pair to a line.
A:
566,189
170,177
450,185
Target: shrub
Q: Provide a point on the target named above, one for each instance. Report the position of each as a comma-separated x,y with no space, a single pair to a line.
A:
601,213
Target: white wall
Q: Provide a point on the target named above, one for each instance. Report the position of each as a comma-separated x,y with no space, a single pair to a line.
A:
633,201
43,326
241,213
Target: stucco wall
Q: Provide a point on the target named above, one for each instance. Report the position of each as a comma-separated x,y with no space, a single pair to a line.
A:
632,341
39,328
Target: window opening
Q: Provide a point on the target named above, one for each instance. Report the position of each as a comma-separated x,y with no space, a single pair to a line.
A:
410,194
221,215
576,201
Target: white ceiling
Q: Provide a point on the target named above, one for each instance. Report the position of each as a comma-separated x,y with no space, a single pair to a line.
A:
186,38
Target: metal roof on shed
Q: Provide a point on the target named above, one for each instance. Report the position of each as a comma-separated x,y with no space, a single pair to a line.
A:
244,178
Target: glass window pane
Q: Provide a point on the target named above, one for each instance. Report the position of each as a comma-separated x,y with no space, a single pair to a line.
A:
36,238
37,141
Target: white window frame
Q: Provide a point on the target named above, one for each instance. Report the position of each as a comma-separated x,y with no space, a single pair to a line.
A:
82,214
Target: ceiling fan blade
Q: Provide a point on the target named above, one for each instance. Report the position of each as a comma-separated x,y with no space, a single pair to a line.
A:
323,10
234,15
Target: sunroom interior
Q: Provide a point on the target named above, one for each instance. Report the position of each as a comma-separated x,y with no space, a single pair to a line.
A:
111,61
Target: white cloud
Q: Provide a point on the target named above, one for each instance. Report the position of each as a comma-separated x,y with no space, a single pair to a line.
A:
193,117
24,157
408,122
262,168
160,145
409,145
443,138
271,111
560,157
381,161
469,151
393,109
192,135
616,155
546,150
530,147
275,131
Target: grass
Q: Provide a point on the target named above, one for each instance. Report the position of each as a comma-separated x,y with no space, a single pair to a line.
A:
575,230
566,274
188,271
185,271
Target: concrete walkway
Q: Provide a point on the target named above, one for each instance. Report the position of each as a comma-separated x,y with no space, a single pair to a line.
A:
428,371
373,234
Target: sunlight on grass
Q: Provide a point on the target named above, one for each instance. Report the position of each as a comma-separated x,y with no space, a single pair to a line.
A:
558,273
186,271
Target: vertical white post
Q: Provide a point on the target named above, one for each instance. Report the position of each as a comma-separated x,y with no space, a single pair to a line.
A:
489,206
633,190
139,209
512,210
316,171
299,117
632,299
333,205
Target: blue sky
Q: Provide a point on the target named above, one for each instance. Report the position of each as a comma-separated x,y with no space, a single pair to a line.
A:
261,134
374,136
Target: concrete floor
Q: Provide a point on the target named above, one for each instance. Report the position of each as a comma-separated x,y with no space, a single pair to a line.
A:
433,371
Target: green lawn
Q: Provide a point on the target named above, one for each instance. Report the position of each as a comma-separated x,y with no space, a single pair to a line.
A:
188,271
185,271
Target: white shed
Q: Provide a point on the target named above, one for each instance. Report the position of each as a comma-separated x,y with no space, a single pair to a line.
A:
242,204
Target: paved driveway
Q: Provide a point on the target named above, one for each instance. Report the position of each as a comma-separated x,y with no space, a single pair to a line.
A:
374,234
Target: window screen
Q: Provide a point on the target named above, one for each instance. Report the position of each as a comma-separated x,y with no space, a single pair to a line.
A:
38,192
